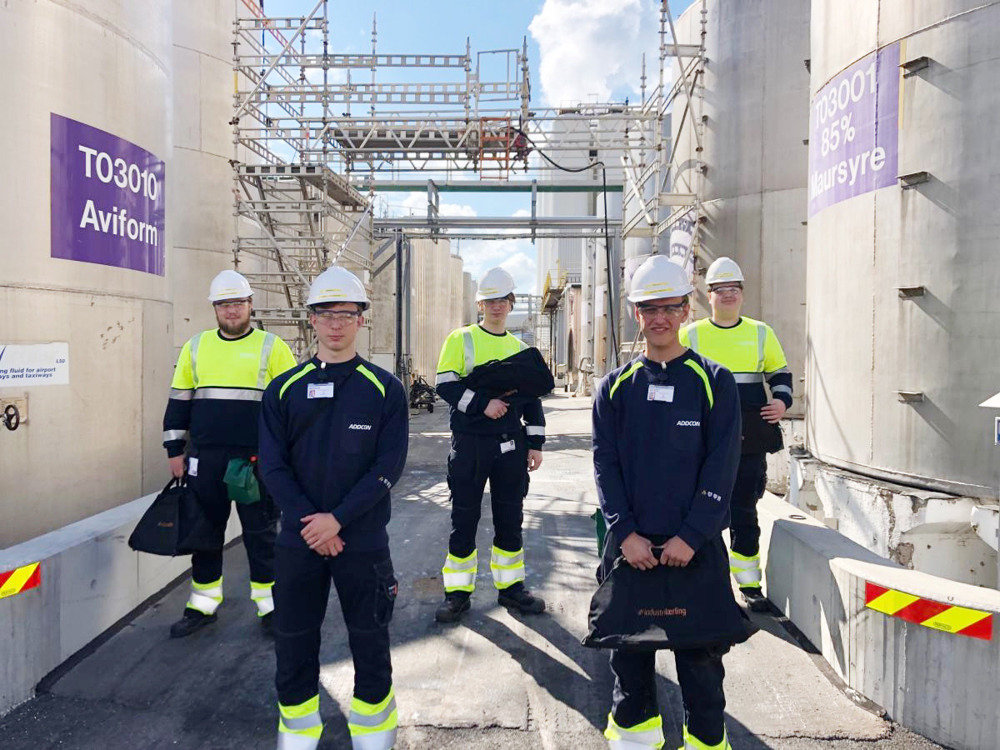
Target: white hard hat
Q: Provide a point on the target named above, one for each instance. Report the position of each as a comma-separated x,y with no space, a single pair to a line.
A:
723,270
229,285
496,284
659,278
337,284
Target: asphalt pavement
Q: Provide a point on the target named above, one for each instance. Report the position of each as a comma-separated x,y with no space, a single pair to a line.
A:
495,680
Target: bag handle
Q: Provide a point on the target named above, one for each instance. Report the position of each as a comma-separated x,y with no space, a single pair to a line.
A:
179,481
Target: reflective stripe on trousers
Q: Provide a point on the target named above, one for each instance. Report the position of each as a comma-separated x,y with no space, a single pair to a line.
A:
648,734
507,567
459,573
746,570
300,727
693,743
373,725
205,597
261,595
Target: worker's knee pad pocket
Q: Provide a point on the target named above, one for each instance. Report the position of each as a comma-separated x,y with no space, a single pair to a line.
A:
387,589
761,485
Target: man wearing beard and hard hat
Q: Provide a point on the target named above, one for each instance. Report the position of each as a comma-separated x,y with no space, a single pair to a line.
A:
212,415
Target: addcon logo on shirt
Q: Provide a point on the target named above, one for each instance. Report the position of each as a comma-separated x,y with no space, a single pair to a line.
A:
689,424
360,427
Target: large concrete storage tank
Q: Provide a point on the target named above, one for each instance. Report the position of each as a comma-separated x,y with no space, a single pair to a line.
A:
203,146
902,318
88,92
754,96
903,310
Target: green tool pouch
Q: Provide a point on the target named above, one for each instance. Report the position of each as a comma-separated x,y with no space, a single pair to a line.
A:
601,528
241,480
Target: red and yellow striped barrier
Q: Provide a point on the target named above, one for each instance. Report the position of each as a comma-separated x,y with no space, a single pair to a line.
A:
20,580
930,614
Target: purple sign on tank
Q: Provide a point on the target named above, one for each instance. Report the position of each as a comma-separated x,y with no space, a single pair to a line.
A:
854,131
107,199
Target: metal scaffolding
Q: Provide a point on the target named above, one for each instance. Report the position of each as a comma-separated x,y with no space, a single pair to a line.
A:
653,200
317,133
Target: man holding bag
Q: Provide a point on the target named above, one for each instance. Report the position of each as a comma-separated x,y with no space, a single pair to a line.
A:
666,432
212,411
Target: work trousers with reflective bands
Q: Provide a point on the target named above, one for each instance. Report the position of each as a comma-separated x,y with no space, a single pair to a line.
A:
473,460
635,720
206,469
744,528
366,587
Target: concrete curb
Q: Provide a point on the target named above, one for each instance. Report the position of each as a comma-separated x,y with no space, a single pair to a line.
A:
941,685
90,580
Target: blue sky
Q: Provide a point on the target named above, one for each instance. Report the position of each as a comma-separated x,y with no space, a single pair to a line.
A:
578,50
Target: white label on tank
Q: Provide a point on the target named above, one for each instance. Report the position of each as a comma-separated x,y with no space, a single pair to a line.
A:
34,364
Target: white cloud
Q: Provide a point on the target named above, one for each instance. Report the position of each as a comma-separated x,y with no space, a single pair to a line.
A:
516,256
315,75
415,204
594,47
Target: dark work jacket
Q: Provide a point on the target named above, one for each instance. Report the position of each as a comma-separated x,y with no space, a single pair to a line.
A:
667,467
339,455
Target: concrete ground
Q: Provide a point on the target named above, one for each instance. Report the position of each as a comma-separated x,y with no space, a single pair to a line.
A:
494,681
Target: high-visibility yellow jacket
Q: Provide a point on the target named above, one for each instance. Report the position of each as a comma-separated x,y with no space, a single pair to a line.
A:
463,351
218,386
749,350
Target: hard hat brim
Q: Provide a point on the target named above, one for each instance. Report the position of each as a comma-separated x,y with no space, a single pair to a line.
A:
684,291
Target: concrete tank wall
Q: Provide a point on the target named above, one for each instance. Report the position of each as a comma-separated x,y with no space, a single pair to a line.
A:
94,443
866,343
569,130
756,104
203,145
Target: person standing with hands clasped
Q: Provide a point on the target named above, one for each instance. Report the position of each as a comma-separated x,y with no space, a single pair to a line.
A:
666,434
333,443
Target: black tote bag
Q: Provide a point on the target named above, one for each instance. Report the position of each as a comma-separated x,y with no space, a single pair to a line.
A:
175,525
668,608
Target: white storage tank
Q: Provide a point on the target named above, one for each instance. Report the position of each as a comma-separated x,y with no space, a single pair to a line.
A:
903,311
85,298
754,98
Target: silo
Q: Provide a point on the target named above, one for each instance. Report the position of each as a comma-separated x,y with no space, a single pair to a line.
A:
203,146
751,106
570,142
87,210
904,182
456,293
469,311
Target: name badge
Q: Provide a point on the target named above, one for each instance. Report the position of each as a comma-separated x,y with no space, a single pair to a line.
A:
192,466
319,390
660,393
508,446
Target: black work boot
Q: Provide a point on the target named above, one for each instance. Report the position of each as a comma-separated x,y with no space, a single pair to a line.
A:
267,624
455,604
191,621
754,598
519,598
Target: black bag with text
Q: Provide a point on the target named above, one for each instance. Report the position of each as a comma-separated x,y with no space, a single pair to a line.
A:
175,525
668,608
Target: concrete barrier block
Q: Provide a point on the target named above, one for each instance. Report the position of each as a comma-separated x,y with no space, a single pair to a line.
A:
91,579
944,685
